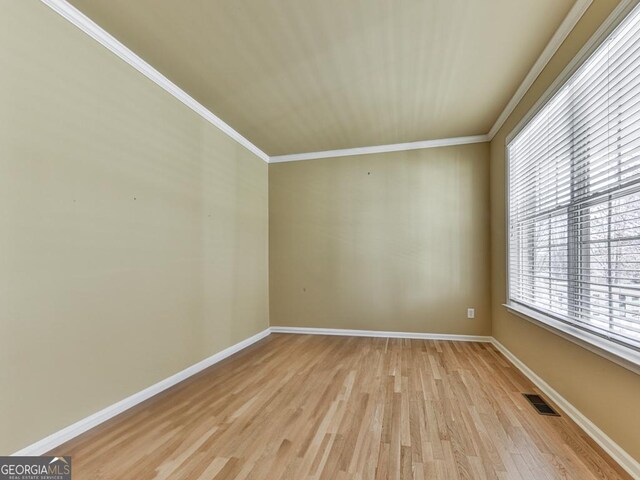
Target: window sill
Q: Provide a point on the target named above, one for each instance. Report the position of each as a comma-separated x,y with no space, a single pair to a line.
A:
623,356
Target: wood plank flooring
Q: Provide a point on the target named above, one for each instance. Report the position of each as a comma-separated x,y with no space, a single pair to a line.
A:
335,408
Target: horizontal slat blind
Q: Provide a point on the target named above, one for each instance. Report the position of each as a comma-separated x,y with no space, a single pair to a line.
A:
574,196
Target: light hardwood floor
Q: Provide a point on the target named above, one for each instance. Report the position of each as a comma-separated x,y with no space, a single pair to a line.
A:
319,407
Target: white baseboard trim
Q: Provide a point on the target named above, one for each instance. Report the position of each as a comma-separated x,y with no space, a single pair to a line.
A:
626,461
68,433
616,452
383,334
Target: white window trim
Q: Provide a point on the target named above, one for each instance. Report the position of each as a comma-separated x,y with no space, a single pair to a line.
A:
624,356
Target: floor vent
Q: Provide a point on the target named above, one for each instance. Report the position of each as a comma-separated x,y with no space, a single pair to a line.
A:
540,405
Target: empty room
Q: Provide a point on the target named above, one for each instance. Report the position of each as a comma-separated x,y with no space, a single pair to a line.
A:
319,239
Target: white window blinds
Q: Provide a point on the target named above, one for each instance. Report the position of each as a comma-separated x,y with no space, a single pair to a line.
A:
574,196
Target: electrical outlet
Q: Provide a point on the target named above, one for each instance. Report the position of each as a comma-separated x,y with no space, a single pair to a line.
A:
471,313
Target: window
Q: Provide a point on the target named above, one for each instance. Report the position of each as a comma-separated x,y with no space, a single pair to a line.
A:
574,197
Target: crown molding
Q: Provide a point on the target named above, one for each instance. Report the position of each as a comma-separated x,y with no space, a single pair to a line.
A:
605,28
396,147
569,22
567,25
88,26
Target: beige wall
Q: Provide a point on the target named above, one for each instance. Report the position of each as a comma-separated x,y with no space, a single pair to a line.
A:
133,234
395,241
133,239
606,393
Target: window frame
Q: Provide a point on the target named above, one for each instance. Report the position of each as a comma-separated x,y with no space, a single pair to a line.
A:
622,355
